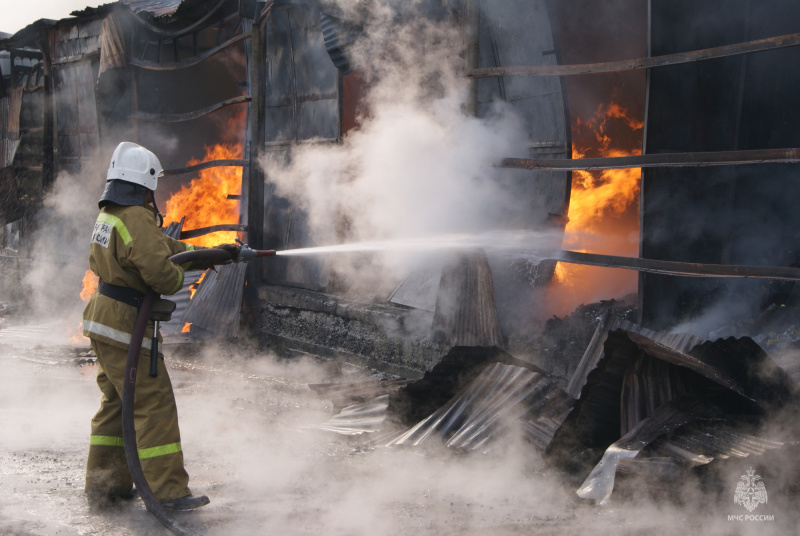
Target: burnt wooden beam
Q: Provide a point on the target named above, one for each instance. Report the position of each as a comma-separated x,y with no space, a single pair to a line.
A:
194,233
688,269
718,158
759,45
175,118
205,165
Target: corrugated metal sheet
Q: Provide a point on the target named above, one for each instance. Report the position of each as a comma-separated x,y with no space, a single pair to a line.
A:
626,386
684,401
465,313
217,305
489,406
348,394
181,299
681,342
10,107
677,439
338,36
356,419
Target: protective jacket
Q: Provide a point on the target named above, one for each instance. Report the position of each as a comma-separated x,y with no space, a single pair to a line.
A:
129,250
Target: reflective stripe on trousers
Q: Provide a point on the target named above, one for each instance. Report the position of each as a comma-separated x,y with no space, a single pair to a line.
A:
152,452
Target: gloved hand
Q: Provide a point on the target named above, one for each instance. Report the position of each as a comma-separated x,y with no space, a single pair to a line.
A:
233,249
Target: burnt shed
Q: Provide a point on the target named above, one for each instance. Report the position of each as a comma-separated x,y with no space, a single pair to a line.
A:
268,77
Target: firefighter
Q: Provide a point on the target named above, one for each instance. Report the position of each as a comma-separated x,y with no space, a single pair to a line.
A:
129,253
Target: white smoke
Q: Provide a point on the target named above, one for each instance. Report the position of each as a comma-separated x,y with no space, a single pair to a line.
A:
418,165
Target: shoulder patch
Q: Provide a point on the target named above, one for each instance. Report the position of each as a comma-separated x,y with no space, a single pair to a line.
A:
102,230
102,233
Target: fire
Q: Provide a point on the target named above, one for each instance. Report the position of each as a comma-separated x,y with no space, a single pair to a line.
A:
89,285
603,213
186,327
193,286
204,202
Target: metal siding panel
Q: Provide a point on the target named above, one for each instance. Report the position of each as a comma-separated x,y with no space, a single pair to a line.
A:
280,71
316,74
517,32
318,119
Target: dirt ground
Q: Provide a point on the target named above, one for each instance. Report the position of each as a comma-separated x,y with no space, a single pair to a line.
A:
249,443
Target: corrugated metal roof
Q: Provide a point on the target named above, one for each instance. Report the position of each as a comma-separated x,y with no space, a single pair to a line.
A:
158,8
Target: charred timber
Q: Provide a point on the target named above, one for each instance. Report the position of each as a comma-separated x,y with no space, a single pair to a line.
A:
176,118
717,158
194,233
205,165
759,45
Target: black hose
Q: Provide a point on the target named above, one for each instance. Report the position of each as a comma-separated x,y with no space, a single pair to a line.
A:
211,255
129,430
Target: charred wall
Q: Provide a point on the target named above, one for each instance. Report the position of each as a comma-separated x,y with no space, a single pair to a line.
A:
307,102
732,214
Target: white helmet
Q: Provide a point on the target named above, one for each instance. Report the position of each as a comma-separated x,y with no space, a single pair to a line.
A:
133,163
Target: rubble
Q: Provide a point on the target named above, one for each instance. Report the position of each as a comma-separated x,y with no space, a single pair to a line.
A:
647,404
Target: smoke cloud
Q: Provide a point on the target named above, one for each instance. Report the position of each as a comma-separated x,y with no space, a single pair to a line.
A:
60,249
418,165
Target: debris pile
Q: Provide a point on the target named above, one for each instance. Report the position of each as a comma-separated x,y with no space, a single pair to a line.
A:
642,405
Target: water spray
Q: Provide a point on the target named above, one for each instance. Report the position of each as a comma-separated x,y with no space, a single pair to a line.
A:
522,245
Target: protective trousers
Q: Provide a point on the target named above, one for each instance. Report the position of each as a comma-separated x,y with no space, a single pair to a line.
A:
157,434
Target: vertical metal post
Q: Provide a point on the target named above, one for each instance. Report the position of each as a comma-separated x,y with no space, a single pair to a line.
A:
135,103
256,77
472,19
49,123
643,275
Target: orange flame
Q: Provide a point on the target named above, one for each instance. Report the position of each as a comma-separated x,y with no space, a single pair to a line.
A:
603,214
193,286
186,327
77,337
89,285
204,202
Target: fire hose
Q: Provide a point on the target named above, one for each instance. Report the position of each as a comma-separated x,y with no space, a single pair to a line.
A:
154,506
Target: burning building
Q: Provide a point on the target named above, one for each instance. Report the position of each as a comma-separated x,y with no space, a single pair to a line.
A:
294,124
